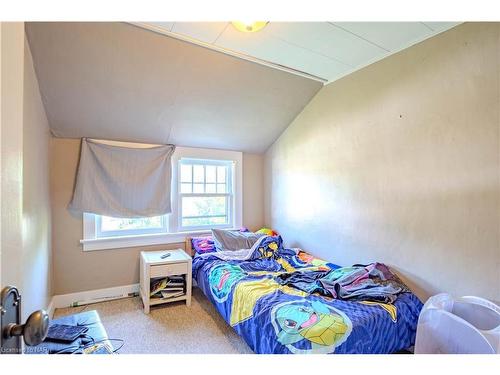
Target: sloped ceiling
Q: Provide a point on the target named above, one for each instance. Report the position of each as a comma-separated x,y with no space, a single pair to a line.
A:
323,50
120,82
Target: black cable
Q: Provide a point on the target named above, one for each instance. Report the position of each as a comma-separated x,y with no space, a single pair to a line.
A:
87,336
121,346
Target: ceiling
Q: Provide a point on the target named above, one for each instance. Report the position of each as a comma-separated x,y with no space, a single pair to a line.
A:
325,51
119,82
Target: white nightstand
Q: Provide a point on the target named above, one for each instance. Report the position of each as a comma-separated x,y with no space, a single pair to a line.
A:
152,266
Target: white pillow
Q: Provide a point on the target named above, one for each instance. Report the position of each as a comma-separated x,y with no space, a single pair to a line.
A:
234,239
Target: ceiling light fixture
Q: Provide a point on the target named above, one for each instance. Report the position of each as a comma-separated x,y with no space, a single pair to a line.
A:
249,26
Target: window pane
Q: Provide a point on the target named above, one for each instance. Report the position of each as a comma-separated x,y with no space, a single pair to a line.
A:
216,220
198,188
210,188
211,170
186,188
203,206
221,174
113,224
199,173
221,188
186,175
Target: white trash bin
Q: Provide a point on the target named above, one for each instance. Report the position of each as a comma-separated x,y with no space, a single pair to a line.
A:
465,325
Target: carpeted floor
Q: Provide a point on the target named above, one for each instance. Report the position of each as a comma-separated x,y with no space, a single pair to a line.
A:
171,328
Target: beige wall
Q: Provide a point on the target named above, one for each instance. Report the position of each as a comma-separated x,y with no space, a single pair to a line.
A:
36,197
399,163
25,212
12,72
253,191
1,212
75,270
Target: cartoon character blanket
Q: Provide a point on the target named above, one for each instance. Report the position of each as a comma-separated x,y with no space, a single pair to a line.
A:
274,316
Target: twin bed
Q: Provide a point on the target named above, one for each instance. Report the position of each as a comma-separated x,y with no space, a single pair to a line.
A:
247,288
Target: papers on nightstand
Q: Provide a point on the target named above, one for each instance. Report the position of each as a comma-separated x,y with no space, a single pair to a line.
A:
172,293
168,287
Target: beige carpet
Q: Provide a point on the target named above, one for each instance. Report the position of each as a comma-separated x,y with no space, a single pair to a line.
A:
170,328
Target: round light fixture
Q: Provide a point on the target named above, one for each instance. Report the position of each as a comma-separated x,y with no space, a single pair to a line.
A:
249,26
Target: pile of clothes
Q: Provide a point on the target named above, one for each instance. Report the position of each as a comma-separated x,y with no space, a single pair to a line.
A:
372,282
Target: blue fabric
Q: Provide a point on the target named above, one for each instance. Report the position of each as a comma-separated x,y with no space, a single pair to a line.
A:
274,318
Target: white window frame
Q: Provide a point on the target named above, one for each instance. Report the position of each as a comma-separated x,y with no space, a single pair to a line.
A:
176,233
229,195
237,183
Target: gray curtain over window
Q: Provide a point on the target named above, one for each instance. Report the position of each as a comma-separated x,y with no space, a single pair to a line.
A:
122,181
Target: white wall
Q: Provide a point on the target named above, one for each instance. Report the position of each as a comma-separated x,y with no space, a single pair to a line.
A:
399,163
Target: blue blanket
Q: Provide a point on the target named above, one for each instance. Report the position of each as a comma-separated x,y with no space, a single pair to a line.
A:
276,318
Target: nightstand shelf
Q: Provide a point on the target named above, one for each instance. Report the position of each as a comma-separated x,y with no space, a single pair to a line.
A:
152,266
159,301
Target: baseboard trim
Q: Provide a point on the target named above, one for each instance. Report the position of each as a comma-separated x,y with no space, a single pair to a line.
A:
93,296
51,308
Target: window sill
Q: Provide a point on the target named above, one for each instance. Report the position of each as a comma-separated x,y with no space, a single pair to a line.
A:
139,240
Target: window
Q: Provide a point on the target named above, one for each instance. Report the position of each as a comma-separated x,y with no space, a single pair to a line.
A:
117,227
205,194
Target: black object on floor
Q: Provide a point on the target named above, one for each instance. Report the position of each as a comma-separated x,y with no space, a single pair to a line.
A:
65,333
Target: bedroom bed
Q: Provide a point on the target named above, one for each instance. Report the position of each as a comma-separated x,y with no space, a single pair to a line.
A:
272,316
